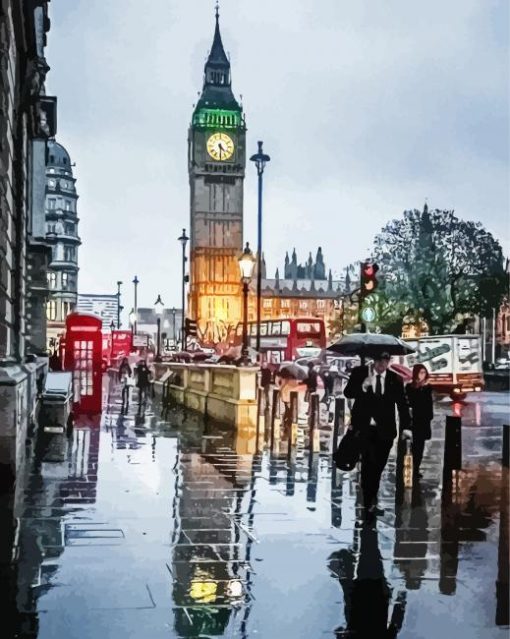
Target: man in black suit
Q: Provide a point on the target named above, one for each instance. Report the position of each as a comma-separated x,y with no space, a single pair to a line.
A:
376,393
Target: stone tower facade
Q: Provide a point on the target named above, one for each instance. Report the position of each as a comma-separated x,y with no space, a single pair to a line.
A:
216,165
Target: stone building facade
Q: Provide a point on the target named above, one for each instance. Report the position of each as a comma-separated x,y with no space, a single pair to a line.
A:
62,234
27,121
307,290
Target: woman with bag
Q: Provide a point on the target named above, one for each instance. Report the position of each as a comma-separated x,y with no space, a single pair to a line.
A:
419,396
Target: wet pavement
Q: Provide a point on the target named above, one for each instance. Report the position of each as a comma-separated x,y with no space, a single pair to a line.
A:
162,528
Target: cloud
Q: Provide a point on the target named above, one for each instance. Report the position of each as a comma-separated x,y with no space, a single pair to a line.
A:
365,108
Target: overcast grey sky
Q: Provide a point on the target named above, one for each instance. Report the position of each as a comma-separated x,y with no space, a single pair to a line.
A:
366,108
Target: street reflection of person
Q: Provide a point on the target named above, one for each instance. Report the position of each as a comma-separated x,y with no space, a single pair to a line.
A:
367,594
376,392
419,397
411,538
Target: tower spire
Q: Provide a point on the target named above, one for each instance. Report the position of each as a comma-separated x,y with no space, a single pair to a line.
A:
217,89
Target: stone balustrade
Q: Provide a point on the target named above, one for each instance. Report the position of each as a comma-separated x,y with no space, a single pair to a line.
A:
224,393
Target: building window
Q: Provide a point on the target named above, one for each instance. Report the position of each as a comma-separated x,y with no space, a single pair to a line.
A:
51,310
52,279
65,281
52,202
68,205
51,183
69,229
285,303
268,303
52,159
69,254
51,170
303,304
321,304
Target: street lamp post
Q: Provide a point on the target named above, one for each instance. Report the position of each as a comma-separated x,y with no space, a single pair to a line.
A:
260,159
119,284
112,328
158,309
183,240
132,320
246,265
136,281
173,326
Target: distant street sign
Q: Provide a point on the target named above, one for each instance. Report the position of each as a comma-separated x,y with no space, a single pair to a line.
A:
140,341
368,314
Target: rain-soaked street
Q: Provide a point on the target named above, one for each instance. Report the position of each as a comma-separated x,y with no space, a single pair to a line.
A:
143,527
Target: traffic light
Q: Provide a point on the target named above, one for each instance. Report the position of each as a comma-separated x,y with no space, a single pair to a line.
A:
368,278
190,328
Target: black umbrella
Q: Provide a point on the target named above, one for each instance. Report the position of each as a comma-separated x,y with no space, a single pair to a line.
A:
370,345
292,371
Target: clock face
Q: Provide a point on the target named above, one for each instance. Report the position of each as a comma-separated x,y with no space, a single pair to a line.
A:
220,146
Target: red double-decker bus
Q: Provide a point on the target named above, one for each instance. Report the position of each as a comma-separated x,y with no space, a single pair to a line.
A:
285,339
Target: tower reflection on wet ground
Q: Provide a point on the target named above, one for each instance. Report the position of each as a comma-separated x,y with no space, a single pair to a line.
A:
147,527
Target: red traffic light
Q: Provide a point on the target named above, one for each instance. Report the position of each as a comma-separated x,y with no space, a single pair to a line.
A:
368,271
368,278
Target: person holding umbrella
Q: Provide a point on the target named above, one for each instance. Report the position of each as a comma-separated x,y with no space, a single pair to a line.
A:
376,392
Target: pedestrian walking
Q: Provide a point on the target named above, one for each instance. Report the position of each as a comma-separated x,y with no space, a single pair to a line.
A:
124,369
287,385
143,382
328,379
376,392
311,384
419,397
127,383
265,382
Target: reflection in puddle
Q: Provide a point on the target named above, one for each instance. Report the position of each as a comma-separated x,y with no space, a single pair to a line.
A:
211,506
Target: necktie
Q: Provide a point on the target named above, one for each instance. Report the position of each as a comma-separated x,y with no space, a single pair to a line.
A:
378,386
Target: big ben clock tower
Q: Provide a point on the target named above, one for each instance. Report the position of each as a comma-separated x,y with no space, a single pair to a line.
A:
216,163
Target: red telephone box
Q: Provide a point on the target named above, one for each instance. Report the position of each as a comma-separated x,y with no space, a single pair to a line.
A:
83,357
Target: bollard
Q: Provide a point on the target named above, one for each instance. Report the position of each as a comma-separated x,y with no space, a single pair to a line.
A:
452,459
505,451
502,581
339,415
294,417
259,415
275,418
314,434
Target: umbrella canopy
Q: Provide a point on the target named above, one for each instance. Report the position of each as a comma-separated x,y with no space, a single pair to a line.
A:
235,352
292,371
370,345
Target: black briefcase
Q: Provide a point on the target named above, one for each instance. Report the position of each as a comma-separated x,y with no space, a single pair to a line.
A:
348,452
